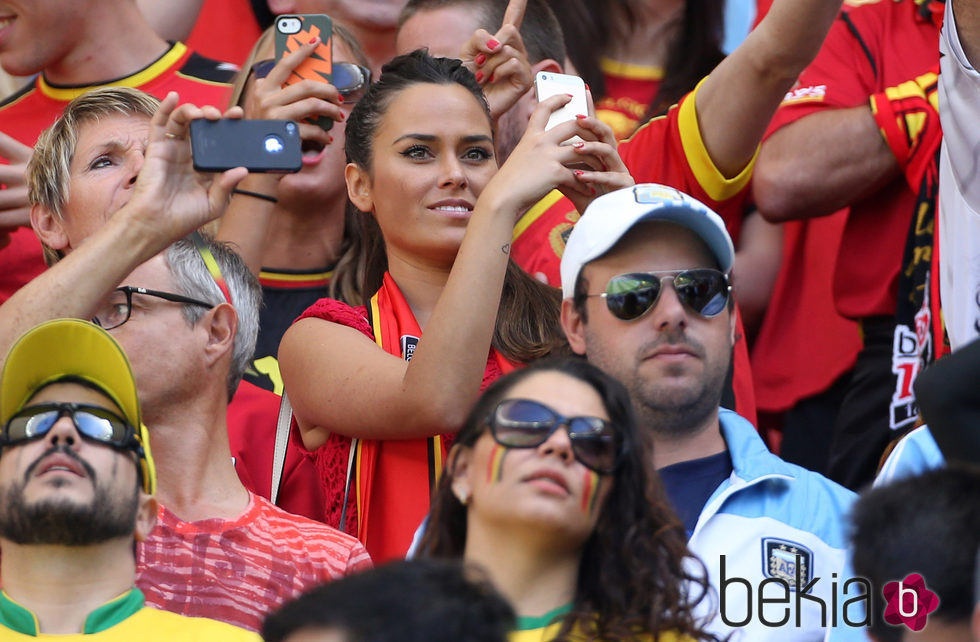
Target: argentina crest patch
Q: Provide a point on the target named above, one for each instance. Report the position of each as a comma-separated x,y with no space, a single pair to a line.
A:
788,561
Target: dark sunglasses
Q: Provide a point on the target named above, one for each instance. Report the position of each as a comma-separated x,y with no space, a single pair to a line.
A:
522,423
630,296
350,80
93,422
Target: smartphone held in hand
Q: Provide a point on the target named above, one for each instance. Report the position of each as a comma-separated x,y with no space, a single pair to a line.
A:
258,145
548,84
294,31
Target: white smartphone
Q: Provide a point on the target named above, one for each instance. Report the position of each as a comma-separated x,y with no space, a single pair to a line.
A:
548,84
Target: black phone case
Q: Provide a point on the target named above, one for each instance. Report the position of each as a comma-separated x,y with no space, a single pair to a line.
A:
257,145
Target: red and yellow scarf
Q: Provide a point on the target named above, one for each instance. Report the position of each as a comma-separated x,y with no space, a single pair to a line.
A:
395,478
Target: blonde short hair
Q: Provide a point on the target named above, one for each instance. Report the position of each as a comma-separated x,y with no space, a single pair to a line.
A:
49,170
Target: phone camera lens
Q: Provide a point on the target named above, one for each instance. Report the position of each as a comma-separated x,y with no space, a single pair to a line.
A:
290,128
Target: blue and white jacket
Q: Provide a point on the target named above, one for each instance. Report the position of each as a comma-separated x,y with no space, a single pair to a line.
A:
914,454
775,525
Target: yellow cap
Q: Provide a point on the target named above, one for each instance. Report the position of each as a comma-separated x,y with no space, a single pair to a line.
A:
65,348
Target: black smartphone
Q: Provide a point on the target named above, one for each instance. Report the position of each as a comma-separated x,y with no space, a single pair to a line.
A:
258,145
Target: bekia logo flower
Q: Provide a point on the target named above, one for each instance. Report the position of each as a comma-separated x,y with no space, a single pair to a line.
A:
909,602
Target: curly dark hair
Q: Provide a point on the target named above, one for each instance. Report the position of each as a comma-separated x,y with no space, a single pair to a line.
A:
527,326
634,575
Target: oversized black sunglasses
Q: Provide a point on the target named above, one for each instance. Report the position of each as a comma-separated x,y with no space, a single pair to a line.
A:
630,296
119,305
94,422
350,80
523,423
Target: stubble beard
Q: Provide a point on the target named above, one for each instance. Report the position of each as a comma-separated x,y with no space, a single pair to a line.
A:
62,522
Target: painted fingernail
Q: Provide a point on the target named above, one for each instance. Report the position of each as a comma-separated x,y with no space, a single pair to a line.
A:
340,98
479,76
314,40
593,190
480,59
578,145
492,76
342,116
580,116
492,44
587,87
578,172
570,96
330,140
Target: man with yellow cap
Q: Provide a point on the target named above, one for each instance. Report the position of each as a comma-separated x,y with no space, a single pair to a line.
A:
71,504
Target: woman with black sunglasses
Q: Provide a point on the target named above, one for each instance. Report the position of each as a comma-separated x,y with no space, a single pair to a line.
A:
549,488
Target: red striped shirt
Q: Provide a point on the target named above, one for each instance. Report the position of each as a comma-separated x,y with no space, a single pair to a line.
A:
238,571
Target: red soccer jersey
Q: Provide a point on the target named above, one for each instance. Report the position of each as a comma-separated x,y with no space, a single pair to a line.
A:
629,91
240,570
28,112
869,48
225,30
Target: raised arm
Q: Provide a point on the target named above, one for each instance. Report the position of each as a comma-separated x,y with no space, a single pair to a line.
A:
169,201
338,380
247,221
738,99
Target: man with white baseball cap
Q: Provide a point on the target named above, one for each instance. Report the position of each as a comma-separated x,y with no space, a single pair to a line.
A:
72,502
647,297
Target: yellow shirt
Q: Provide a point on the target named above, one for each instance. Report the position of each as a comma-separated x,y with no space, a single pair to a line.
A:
123,619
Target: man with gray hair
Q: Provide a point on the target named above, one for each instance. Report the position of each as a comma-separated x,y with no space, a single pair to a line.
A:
187,313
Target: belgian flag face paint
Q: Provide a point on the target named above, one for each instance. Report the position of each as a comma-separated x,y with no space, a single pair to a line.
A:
590,490
495,464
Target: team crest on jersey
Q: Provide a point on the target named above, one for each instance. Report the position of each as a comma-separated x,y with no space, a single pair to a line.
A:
787,561
408,343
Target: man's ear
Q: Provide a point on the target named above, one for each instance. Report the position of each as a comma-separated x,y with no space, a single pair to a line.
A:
359,187
146,516
574,326
48,228
222,325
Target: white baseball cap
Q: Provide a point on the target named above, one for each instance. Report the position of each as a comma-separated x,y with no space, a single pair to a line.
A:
609,217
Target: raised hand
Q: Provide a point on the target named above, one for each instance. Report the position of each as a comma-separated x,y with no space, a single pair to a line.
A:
170,198
540,162
500,61
298,101
14,207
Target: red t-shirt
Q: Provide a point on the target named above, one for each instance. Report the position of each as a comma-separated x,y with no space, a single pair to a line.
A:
240,570
252,419
869,48
667,150
25,114
225,30
629,91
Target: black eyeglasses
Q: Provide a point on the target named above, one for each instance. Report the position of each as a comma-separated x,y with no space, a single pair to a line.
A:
119,305
522,423
350,80
630,296
93,422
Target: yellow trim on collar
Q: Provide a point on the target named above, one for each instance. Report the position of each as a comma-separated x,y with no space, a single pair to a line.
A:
629,70
138,79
